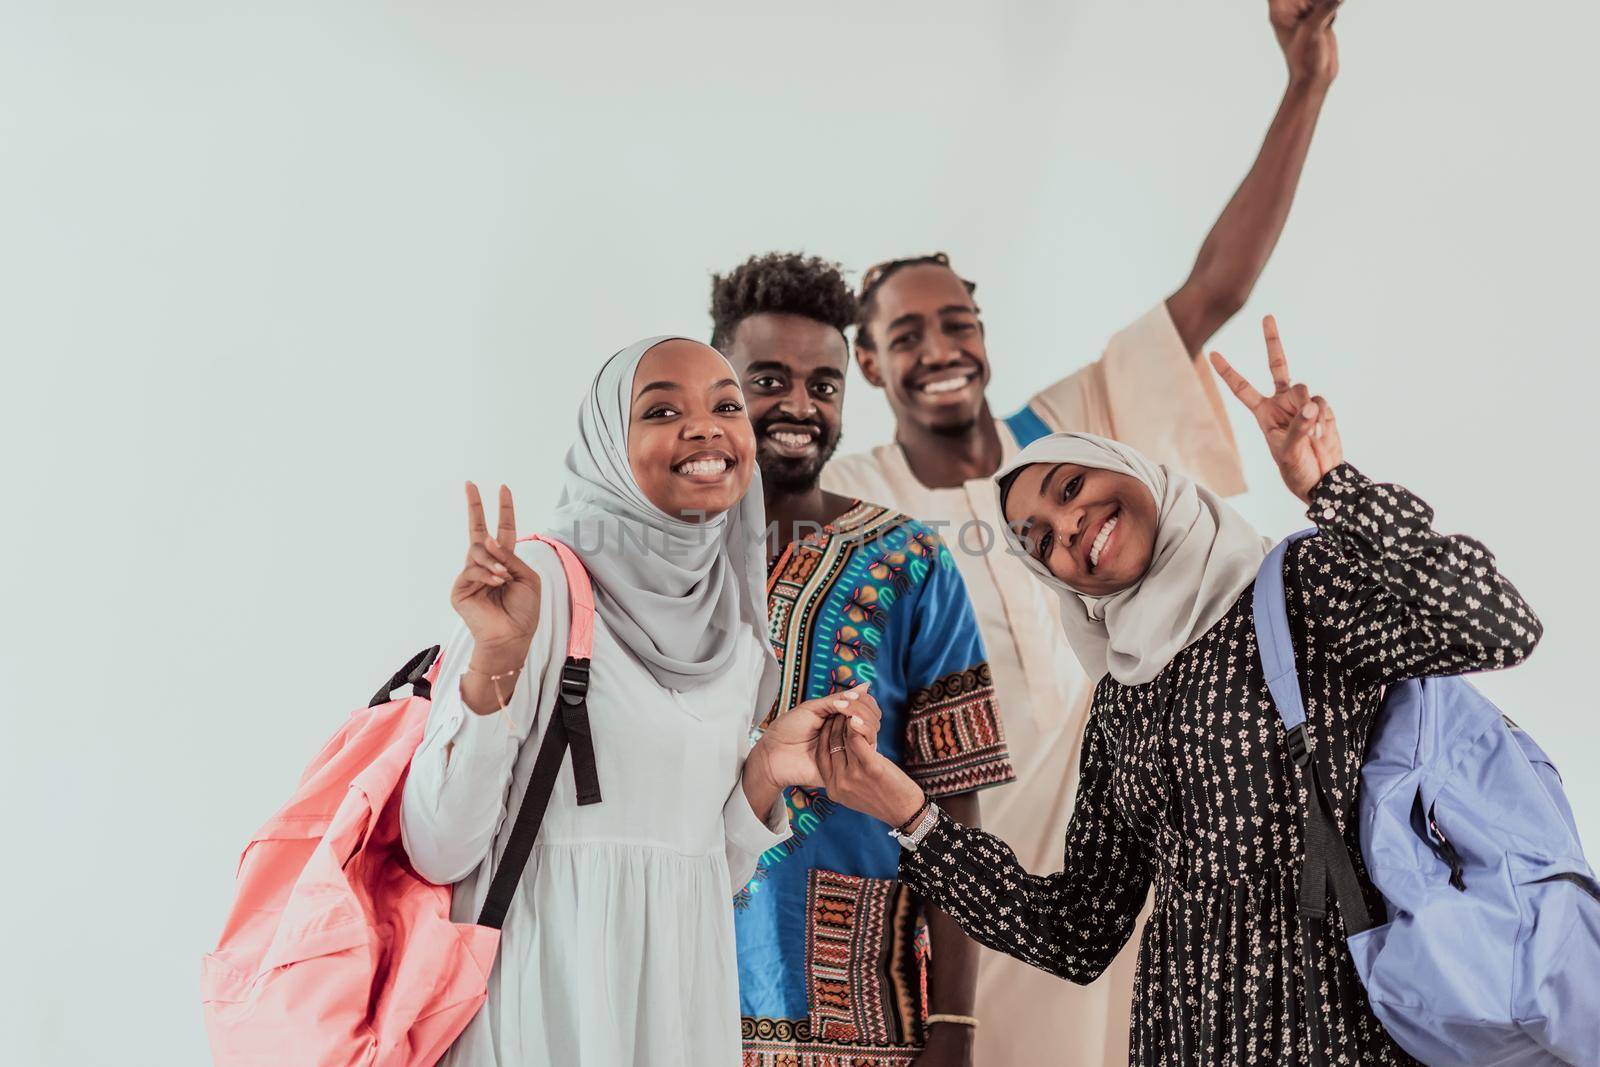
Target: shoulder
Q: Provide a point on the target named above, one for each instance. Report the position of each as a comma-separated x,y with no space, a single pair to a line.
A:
547,565
862,474
1150,341
895,531
1309,560
539,555
923,540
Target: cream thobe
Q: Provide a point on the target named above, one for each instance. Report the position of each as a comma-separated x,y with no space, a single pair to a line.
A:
1146,392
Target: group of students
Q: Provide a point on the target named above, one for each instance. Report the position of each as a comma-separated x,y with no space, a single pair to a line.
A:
806,668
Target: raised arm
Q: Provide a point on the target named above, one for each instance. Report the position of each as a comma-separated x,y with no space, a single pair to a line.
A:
1244,235
1400,599
484,701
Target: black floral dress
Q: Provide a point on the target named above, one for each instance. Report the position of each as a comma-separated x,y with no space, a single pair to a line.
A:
1187,784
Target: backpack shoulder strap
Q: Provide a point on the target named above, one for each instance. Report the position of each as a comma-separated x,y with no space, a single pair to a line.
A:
568,727
1275,643
1325,857
580,595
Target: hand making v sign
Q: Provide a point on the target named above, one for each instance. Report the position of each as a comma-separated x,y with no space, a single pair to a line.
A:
497,596
1299,428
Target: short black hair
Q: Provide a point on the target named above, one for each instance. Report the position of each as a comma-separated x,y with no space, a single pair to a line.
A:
879,273
786,283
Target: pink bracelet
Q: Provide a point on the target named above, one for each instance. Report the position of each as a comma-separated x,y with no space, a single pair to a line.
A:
494,680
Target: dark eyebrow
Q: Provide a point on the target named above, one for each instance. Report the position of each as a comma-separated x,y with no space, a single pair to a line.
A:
674,387
908,319
958,309
766,365
1044,486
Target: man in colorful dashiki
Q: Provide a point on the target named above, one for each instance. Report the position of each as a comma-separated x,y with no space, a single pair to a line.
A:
838,964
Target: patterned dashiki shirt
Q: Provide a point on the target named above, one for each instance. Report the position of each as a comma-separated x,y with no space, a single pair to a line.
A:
832,949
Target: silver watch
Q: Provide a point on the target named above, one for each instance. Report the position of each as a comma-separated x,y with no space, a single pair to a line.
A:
912,838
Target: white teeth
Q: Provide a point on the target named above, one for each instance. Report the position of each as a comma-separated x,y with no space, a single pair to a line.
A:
702,466
1100,541
946,385
792,440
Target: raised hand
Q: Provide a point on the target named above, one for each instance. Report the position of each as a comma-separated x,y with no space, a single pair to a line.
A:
1304,29
496,594
1299,428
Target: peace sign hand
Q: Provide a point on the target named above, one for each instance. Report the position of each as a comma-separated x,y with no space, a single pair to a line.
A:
496,594
1299,428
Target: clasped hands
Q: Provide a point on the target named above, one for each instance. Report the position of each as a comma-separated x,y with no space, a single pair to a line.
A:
831,742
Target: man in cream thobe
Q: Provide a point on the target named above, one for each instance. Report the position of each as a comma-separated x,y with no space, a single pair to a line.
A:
1147,392
921,340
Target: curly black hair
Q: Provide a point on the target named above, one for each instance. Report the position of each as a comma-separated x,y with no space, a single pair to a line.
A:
783,283
879,273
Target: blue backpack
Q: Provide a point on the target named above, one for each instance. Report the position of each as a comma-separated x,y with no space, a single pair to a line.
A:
1490,954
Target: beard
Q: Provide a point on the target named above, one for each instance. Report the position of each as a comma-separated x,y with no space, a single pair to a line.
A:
955,429
789,475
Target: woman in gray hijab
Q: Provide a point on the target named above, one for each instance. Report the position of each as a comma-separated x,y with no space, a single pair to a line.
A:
618,945
1187,783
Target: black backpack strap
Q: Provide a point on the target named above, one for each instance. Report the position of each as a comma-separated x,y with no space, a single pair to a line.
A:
1325,857
573,702
569,726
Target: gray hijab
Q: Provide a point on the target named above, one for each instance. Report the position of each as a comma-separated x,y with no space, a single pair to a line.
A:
1205,555
679,595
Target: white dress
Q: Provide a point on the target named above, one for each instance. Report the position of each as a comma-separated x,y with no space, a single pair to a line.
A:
618,948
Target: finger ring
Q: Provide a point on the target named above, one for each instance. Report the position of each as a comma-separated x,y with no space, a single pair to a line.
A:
836,748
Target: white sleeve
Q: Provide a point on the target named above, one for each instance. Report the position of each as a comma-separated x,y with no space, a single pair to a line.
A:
748,836
1146,391
746,832
455,793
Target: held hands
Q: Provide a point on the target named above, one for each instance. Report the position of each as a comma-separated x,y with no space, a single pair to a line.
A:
858,776
1300,428
786,753
1305,33
496,594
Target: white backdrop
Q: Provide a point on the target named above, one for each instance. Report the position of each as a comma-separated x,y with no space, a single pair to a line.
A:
277,281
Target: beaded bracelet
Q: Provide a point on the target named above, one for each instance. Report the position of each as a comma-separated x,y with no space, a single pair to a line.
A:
916,817
925,820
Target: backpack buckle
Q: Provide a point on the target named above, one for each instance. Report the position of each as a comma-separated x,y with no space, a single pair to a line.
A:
1298,750
574,681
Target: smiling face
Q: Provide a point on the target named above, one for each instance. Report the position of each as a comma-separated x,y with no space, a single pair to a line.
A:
924,347
793,371
1093,529
689,440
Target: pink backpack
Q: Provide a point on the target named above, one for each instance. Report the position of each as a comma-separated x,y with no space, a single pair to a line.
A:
336,953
